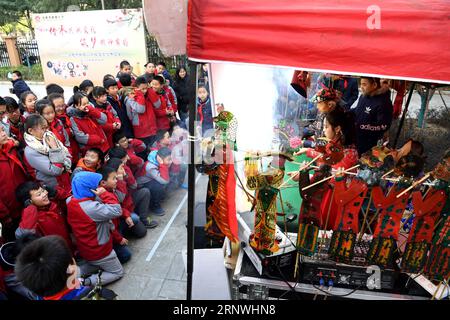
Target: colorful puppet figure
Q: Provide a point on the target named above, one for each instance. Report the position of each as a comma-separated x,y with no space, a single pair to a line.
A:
438,264
221,218
263,236
310,215
349,201
391,209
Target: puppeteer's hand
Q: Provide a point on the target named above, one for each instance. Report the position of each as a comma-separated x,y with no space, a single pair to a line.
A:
124,242
340,172
295,175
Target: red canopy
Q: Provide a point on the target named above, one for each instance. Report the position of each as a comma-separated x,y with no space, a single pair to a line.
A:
407,39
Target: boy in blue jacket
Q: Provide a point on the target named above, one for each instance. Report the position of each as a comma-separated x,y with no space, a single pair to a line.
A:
373,114
154,176
19,85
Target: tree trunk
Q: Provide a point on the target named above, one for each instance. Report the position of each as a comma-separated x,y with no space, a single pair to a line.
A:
29,23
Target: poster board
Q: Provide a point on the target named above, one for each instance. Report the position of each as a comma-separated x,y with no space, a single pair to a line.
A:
79,45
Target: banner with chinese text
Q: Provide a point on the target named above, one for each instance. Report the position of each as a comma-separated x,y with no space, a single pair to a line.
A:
79,45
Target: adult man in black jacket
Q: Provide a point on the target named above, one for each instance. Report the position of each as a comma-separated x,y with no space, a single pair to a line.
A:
373,113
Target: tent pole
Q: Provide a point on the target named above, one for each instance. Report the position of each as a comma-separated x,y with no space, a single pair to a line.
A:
191,182
402,120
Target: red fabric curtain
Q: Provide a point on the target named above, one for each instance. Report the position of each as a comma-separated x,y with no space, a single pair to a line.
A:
406,39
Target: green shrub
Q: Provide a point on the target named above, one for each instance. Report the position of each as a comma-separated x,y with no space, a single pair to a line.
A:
28,74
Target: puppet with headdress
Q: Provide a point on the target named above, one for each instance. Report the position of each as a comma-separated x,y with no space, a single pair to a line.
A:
221,218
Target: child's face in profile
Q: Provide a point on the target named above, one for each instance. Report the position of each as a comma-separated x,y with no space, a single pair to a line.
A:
101,99
83,104
159,68
3,136
325,106
91,160
39,197
202,94
48,113
143,87
30,103
88,90
112,91
167,161
123,142
111,182
165,141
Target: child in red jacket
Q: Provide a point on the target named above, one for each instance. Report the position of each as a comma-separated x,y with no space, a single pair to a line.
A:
41,216
87,124
89,213
46,109
92,161
99,96
137,199
58,102
133,147
120,243
165,111
141,110
12,174
155,177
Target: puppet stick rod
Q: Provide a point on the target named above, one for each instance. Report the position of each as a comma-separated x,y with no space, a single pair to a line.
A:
322,242
328,178
298,172
425,177
365,218
387,173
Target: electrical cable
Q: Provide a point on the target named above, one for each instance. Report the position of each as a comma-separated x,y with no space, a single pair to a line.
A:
287,282
336,295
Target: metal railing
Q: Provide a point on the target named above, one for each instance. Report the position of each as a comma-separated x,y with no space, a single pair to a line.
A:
29,52
4,56
155,55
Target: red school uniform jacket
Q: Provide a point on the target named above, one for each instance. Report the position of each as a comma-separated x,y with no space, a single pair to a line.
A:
91,224
135,146
111,118
45,221
87,129
18,129
162,120
12,174
140,111
74,147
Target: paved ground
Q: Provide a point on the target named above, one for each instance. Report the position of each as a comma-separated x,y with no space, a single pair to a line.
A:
161,275
157,269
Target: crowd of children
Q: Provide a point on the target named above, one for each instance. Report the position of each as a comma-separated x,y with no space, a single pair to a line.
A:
84,176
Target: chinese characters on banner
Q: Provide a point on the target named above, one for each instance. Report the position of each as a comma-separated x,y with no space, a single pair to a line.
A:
89,44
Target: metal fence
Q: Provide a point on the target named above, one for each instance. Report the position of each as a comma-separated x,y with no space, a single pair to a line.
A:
29,52
4,57
155,55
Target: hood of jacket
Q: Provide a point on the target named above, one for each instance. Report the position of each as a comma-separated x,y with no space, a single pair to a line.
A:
83,183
